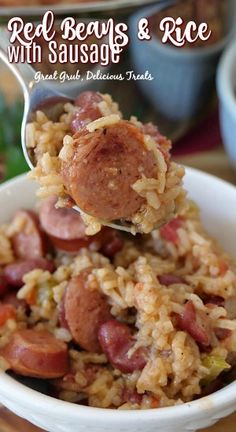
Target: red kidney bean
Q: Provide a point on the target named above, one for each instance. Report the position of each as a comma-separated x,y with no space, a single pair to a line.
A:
116,340
187,321
222,333
169,279
112,243
132,396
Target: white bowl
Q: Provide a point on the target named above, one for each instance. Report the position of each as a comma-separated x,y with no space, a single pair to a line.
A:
217,200
226,89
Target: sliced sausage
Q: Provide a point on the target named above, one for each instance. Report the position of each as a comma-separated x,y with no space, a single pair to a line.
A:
69,383
105,165
230,306
213,300
116,340
37,354
64,226
210,12
14,272
30,241
89,110
66,230
163,143
85,311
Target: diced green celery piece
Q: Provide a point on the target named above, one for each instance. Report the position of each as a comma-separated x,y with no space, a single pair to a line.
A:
215,365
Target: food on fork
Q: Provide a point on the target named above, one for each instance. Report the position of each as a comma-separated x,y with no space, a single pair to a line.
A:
109,168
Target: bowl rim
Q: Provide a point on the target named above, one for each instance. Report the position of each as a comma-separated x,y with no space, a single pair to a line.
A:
225,86
222,398
178,52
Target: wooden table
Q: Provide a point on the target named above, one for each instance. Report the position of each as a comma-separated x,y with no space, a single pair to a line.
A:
214,162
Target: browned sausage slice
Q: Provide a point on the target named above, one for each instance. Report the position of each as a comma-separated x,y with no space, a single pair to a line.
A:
36,353
64,226
89,110
14,272
169,279
30,241
85,311
105,165
116,340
